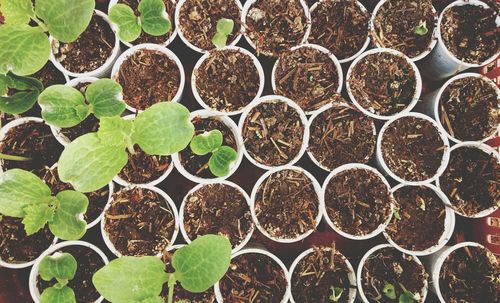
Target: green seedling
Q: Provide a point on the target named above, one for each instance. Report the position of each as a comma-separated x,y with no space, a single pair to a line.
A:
224,29
421,29
406,296
222,156
24,93
336,293
62,268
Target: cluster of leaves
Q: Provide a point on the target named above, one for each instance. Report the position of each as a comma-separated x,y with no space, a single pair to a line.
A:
197,266
24,49
62,268
406,296
25,91
224,29
24,195
153,19
221,156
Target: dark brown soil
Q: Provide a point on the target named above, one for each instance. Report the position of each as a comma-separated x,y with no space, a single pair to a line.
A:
139,222
470,180
16,246
357,201
388,265
90,51
307,76
32,140
198,165
383,83
146,38
199,20
275,26
468,109
286,204
254,278
422,215
470,33
49,75
88,263
317,273
5,118
97,199
273,133
142,168
218,209
227,80
470,274
395,25
148,77
340,26
412,148
342,135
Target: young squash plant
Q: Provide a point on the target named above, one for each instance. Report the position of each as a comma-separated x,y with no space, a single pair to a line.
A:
224,29
197,267
221,156
24,195
60,267
406,296
153,19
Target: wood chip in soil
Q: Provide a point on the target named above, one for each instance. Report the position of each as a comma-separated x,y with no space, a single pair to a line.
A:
139,222
142,168
273,133
227,80
412,148
383,83
357,201
471,180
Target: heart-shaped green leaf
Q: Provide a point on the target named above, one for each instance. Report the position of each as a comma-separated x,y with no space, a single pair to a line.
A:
224,29
154,19
103,96
406,297
26,93
129,27
16,11
67,224
63,106
116,131
206,142
221,161
36,216
58,295
60,266
389,291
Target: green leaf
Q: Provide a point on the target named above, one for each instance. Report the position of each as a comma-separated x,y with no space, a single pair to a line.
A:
131,279
421,29
27,91
89,164
65,19
199,265
103,96
163,129
16,11
389,291
221,160
24,50
4,84
60,266
155,300
396,214
58,295
154,19
336,293
67,224
36,216
219,40
129,27
116,131
224,29
63,106
406,297
18,189
206,142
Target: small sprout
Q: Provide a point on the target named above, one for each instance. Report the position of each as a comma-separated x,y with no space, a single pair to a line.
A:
407,296
62,268
224,29
336,293
389,291
26,91
396,214
421,29
311,78
421,204
222,156
14,158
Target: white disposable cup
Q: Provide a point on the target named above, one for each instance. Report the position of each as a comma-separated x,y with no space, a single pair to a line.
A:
418,86
206,56
317,189
320,48
34,291
155,47
382,164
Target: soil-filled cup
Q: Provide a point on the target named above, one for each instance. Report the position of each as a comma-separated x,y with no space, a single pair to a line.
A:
412,149
356,131
371,71
148,214
286,204
163,40
469,181
337,277
424,223
317,76
466,107
274,131
344,20
400,25
227,80
267,26
201,17
161,80
195,167
266,272
78,59
218,208
385,271
463,273
362,189
463,20
86,254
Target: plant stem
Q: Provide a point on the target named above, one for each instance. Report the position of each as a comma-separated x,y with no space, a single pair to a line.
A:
40,23
171,284
14,158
